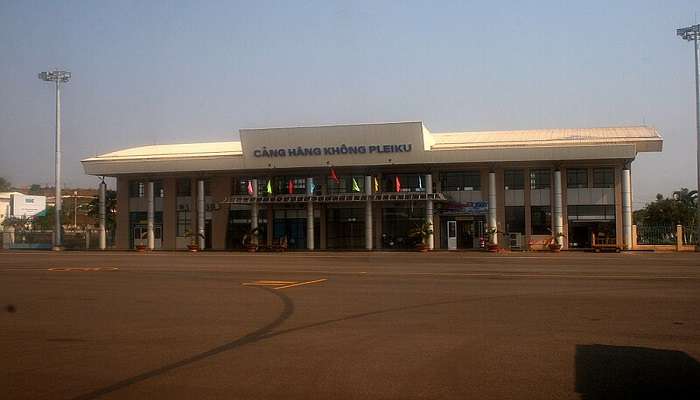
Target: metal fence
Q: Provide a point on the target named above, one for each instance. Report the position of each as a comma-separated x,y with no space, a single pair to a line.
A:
72,240
690,235
656,234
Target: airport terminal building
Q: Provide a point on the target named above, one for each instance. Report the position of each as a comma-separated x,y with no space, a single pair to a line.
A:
365,186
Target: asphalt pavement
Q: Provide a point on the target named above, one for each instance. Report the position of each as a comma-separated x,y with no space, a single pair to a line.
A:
352,325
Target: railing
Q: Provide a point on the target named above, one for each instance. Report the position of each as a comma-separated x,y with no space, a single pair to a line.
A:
690,235
33,239
656,234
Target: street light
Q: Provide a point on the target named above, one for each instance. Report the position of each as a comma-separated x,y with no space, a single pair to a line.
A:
58,77
692,33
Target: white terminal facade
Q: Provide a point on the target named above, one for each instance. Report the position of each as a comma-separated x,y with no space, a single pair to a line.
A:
365,186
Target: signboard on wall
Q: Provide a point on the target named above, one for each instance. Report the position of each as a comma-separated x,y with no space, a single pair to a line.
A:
27,206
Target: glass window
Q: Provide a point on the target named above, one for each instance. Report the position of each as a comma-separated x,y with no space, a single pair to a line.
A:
207,187
577,178
281,185
603,177
183,187
345,184
137,189
158,189
515,219
541,220
456,181
407,183
184,223
514,179
591,212
540,179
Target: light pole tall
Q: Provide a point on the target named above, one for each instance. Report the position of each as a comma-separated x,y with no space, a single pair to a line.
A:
58,77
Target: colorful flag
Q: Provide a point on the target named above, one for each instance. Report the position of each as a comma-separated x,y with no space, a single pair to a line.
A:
290,186
312,188
250,188
269,186
355,186
420,183
397,184
334,176
376,184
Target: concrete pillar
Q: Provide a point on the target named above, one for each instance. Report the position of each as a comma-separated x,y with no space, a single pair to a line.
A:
200,213
492,207
309,215
679,237
254,212
368,213
169,214
429,210
122,233
626,208
151,215
103,215
220,189
557,216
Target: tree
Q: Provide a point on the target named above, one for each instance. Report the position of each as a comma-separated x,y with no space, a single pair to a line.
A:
110,209
680,209
35,189
5,185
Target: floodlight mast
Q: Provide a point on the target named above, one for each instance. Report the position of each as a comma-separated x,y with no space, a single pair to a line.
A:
692,34
58,77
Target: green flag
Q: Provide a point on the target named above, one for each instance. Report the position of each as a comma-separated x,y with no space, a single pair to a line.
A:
355,186
269,187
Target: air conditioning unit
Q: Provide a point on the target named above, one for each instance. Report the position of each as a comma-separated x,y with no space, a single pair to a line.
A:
515,241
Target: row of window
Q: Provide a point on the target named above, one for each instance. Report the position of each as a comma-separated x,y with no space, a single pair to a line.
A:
541,217
575,178
514,179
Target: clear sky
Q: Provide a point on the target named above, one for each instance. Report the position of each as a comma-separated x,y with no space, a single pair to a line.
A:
149,72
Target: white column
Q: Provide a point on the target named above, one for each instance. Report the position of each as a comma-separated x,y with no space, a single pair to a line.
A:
626,208
493,222
103,215
151,215
429,210
309,216
254,212
368,213
200,212
557,214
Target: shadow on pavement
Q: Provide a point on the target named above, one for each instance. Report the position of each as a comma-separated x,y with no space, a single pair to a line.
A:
622,372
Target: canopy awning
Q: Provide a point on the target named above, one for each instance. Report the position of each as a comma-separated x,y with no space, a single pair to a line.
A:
334,198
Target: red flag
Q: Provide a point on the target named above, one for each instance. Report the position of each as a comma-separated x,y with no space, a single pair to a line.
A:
290,186
250,188
334,176
398,184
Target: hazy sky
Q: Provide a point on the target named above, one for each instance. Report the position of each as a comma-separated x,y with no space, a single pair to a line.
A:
149,72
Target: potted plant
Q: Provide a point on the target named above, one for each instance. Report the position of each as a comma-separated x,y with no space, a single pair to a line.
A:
421,233
250,240
194,240
142,247
492,233
553,244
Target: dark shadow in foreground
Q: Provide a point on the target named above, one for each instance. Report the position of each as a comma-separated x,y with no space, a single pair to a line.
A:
621,372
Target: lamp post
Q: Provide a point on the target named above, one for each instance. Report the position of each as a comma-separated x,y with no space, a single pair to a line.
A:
58,77
692,34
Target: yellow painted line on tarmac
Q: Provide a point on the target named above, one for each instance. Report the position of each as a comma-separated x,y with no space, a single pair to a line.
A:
301,283
82,269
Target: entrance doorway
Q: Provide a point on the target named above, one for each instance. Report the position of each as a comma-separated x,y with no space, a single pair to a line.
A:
469,234
292,225
463,233
581,233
